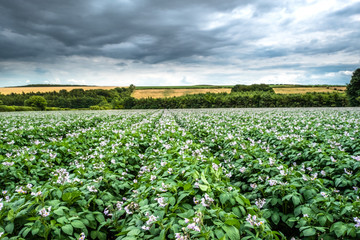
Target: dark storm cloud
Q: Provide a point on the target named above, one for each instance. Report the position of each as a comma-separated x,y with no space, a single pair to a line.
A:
49,38
151,31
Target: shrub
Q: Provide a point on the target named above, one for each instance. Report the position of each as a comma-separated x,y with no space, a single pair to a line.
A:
4,108
23,108
37,102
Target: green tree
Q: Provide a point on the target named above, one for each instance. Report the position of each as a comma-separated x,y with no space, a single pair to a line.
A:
353,89
37,102
132,88
1,102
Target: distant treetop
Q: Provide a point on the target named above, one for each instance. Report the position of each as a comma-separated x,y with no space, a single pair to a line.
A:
55,85
252,88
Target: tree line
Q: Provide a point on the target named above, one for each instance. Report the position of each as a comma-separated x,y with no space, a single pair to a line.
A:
208,100
242,100
256,95
73,99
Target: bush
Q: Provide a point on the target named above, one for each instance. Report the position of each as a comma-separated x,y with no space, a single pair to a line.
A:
23,108
36,102
95,107
4,108
54,109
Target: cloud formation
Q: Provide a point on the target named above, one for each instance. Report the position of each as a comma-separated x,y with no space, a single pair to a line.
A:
162,42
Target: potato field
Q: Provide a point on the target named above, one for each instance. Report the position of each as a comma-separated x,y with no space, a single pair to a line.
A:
181,174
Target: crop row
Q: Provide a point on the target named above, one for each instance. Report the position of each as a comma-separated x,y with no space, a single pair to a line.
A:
180,174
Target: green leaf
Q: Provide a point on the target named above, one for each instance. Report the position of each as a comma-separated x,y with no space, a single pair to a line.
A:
187,214
330,217
203,178
93,234
172,201
233,222
219,233
182,196
62,220
66,197
34,231
224,197
275,217
58,193
68,229
340,230
296,200
10,227
11,215
267,213
322,220
274,201
309,232
306,210
130,238
101,235
297,210
99,202
100,218
90,217
78,224
143,203
59,212
26,232
231,232
134,232
237,211
203,187
187,186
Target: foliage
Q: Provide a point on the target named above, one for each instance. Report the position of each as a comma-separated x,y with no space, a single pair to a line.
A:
252,88
353,89
180,174
120,98
243,100
5,108
185,87
75,99
36,102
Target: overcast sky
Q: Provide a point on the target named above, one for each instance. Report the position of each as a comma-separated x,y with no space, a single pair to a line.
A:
171,42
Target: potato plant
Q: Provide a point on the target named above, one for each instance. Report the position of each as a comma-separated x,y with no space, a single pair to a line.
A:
181,174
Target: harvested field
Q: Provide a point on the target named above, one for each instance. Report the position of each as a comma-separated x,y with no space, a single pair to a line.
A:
308,89
46,89
162,93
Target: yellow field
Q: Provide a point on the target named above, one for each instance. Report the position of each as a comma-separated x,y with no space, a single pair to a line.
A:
163,93
44,89
308,89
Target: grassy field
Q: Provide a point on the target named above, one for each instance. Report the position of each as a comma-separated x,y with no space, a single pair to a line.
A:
172,91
